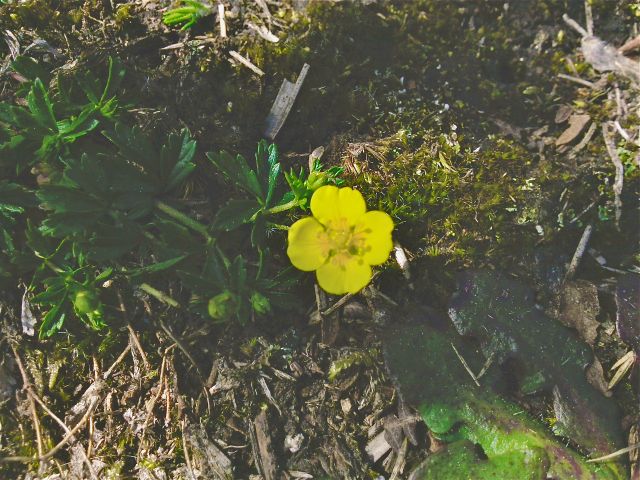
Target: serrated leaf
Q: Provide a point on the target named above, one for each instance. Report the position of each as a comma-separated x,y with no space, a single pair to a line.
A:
69,200
50,296
235,213
181,164
62,224
274,171
238,171
133,145
41,107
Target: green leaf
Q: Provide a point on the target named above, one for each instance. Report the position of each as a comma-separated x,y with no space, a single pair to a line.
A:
155,267
41,107
69,200
52,321
134,146
235,213
104,275
238,274
259,231
238,171
62,224
50,296
115,76
178,155
273,182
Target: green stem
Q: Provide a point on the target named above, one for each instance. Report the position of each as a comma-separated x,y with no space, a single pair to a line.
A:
163,297
184,219
277,226
283,207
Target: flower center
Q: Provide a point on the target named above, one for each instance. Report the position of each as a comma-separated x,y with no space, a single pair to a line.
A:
343,241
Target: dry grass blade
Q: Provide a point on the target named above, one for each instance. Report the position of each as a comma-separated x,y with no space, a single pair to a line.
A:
615,454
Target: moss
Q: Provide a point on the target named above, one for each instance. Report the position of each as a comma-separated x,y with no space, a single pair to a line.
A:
448,198
124,13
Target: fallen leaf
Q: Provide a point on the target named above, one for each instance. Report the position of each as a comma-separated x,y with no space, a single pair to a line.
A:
576,125
27,317
563,113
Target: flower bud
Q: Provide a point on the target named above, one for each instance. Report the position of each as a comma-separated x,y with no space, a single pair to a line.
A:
260,303
86,301
221,305
316,180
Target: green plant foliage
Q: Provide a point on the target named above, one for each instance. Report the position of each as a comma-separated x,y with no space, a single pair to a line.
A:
56,118
186,15
108,207
71,291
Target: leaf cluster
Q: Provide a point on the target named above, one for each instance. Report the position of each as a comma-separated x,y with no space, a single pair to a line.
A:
187,14
101,209
55,118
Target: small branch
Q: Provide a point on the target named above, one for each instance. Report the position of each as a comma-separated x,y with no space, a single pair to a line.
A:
465,365
136,341
221,21
588,13
154,400
585,140
578,80
187,458
32,405
333,308
62,442
73,431
575,25
118,360
246,62
183,348
486,366
577,256
630,45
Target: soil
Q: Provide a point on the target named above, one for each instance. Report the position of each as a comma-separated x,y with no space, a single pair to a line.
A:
454,117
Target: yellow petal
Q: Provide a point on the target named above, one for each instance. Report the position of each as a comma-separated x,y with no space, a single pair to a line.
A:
376,227
338,279
307,248
330,203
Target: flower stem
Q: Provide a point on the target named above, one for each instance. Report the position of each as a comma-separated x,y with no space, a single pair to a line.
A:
277,226
163,297
184,219
281,208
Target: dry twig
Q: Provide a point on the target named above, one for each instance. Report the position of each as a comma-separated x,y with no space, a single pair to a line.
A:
577,255
619,179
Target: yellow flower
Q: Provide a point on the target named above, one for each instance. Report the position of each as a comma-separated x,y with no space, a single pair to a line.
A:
341,240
